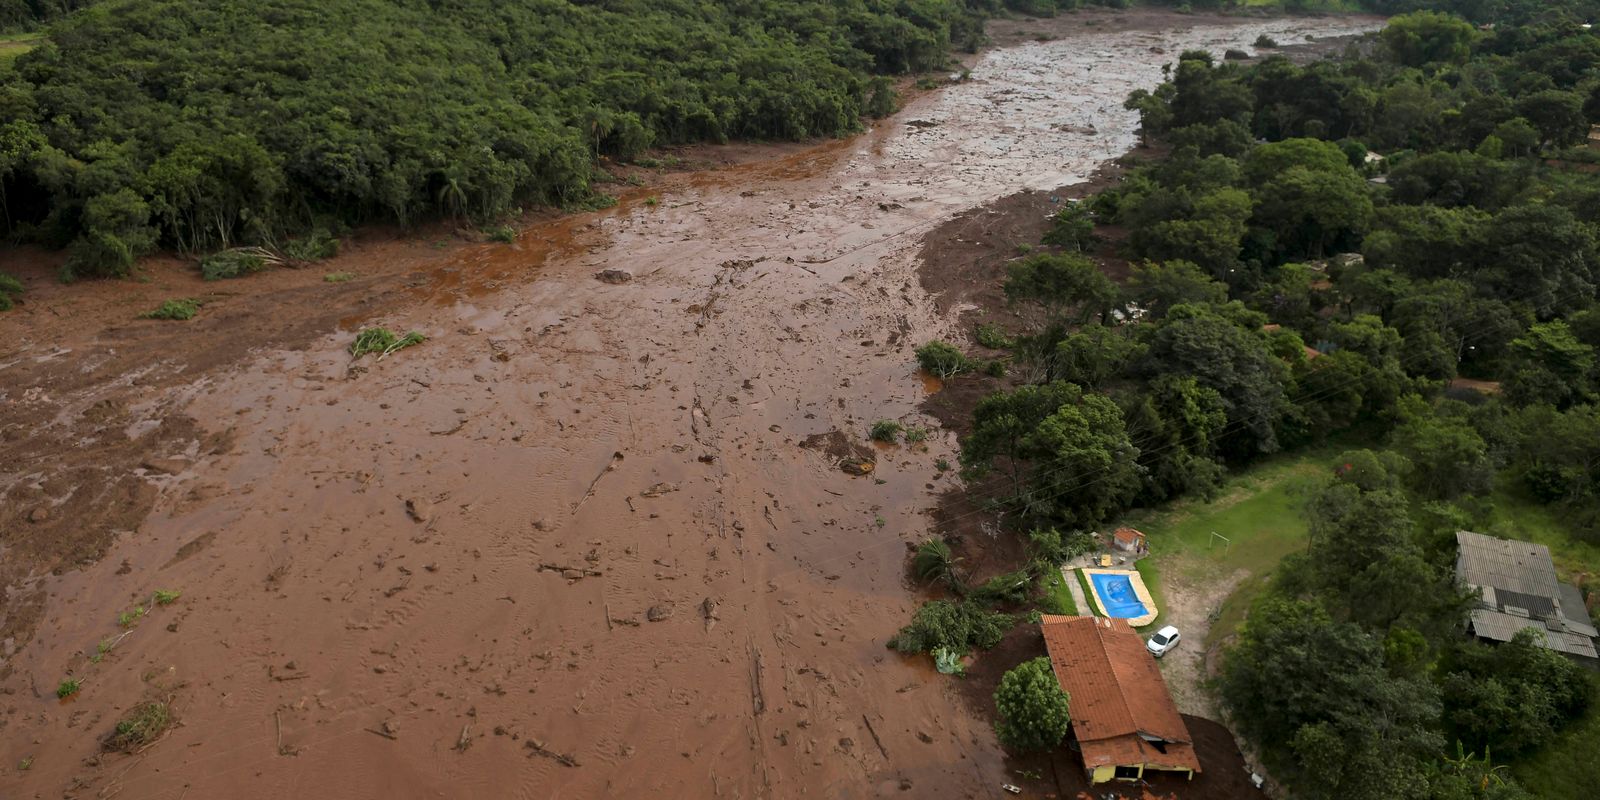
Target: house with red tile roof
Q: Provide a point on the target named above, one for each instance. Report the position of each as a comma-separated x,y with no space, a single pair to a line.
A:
1124,722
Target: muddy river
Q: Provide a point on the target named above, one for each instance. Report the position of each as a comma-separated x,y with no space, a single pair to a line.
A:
571,546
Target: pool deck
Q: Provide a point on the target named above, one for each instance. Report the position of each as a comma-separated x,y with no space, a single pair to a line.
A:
1139,589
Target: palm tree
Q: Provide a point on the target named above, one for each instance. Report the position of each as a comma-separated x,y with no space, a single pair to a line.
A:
935,563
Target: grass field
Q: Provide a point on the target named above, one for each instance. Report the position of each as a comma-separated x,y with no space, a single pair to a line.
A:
1259,514
1519,518
14,45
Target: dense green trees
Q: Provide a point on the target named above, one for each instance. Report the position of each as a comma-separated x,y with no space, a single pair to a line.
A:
1288,291
1034,712
1319,690
202,125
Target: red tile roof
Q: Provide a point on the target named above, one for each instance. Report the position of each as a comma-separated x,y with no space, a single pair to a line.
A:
1118,699
1128,535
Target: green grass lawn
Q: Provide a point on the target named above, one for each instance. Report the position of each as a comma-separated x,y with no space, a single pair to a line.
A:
1058,595
14,45
1568,766
1259,513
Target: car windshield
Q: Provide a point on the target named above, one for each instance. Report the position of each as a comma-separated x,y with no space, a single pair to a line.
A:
1159,639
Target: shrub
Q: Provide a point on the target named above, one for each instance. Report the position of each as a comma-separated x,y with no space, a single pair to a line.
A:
166,597
68,688
142,726
504,234
9,289
1072,227
315,247
179,309
126,619
1265,41
1012,587
237,263
1235,54
1034,711
339,277
958,626
885,430
942,359
916,435
1051,545
383,342
992,337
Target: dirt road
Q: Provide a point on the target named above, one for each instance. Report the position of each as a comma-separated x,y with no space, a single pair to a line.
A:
571,545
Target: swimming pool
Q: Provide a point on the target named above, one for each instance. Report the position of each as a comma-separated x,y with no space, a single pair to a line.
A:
1117,596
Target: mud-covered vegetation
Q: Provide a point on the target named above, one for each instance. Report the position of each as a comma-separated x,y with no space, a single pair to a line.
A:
1396,253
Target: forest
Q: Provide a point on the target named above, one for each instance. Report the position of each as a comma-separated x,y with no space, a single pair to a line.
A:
1393,254
196,127
137,125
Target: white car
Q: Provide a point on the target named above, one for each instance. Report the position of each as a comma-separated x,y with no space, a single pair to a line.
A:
1164,640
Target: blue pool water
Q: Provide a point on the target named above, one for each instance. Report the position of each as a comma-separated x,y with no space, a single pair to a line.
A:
1117,594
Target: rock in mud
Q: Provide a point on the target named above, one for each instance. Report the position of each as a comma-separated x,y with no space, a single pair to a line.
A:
660,612
39,515
419,509
613,276
857,466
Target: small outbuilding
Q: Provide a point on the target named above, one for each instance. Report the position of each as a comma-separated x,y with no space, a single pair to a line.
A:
1129,540
1124,723
1517,589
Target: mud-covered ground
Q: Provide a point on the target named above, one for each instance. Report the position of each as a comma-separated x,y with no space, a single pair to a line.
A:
572,545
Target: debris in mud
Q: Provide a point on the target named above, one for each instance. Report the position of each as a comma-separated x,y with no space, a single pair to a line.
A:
419,509
659,612
613,276
571,573
164,466
539,749
39,514
141,728
921,123
851,457
659,489
708,610
1085,130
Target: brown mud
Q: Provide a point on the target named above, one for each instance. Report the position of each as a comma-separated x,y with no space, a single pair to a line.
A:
571,545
